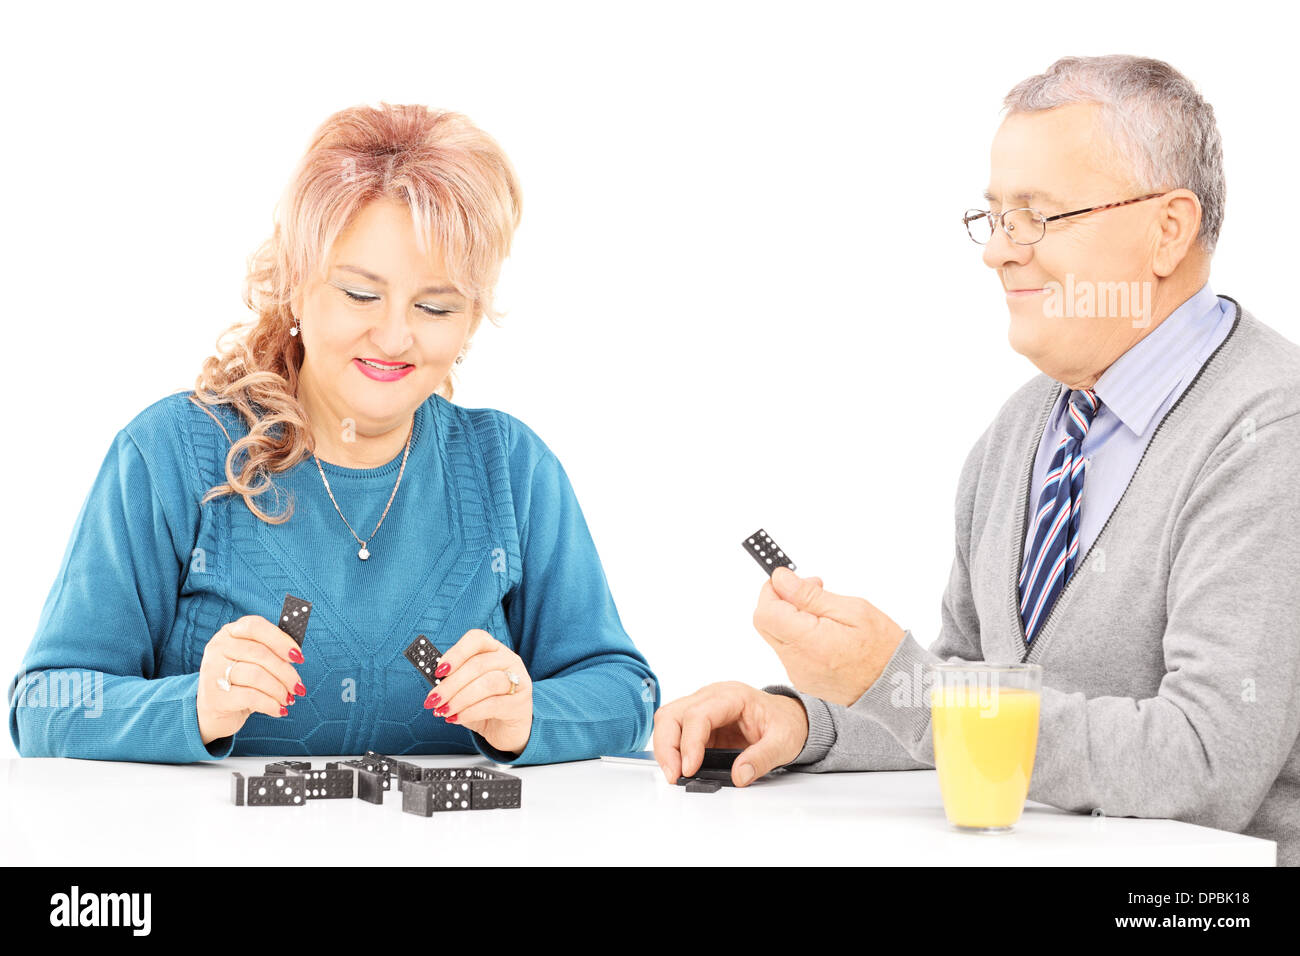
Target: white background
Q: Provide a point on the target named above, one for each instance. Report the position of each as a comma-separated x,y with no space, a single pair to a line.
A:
716,318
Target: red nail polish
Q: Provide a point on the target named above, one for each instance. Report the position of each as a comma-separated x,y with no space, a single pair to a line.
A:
428,704
284,711
440,710
451,719
442,670
434,700
288,699
300,690
295,655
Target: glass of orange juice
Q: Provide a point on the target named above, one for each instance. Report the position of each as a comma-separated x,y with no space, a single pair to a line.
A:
985,723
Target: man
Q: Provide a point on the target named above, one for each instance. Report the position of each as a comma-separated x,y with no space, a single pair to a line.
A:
1161,605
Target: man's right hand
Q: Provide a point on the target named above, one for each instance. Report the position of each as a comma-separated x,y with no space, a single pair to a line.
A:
769,729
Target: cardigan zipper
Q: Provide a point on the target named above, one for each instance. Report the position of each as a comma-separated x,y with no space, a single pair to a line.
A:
1026,650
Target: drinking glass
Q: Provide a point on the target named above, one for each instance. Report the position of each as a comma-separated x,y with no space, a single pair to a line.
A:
985,723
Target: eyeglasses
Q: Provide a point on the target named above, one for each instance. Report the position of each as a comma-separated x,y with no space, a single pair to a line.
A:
1025,226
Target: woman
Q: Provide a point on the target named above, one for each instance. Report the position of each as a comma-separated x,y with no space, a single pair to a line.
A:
319,455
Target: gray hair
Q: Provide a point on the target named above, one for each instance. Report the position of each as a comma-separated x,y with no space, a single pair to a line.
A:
1159,124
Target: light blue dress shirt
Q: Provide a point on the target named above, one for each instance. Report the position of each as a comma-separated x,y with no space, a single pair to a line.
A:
1136,391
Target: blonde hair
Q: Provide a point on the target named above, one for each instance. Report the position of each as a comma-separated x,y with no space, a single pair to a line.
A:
464,199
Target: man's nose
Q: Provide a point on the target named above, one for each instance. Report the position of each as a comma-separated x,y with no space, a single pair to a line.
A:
1000,251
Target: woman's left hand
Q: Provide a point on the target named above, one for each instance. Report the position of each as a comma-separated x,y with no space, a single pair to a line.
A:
475,691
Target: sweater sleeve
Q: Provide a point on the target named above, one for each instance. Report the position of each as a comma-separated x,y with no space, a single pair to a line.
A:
86,687
851,738
1209,745
593,692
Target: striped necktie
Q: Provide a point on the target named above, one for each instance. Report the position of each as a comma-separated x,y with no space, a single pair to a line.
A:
1050,561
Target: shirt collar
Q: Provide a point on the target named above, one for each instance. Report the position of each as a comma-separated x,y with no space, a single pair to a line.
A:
1137,383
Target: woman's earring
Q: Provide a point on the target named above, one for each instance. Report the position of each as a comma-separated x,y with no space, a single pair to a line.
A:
460,358
295,328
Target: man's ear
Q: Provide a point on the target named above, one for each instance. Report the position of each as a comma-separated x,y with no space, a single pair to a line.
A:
1180,224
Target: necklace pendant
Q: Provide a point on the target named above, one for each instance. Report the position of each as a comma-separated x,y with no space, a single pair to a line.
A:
363,553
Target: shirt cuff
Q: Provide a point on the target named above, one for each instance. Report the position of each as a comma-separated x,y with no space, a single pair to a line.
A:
821,728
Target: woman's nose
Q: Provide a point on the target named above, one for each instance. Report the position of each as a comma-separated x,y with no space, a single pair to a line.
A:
394,333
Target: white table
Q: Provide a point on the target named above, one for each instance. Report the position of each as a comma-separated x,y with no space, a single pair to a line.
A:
65,812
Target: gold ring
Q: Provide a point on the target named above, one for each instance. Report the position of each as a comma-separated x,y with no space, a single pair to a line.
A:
514,681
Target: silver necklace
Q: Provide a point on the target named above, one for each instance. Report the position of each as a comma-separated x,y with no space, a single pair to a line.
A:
364,553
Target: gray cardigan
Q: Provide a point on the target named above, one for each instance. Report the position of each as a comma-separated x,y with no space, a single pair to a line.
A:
1171,659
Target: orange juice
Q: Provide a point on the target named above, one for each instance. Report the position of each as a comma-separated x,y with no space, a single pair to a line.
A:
984,743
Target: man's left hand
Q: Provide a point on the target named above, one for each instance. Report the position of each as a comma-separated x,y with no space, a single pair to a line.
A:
833,647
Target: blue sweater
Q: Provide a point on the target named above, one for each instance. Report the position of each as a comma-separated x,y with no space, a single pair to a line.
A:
485,532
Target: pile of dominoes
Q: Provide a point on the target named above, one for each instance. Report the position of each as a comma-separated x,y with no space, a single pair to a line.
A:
425,790
291,783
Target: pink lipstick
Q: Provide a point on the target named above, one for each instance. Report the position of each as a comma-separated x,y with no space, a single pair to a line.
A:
382,371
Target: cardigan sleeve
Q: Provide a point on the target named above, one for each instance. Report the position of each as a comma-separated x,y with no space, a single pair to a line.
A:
593,692
852,738
86,687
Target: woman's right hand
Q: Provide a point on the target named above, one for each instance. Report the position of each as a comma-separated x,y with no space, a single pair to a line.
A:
262,679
